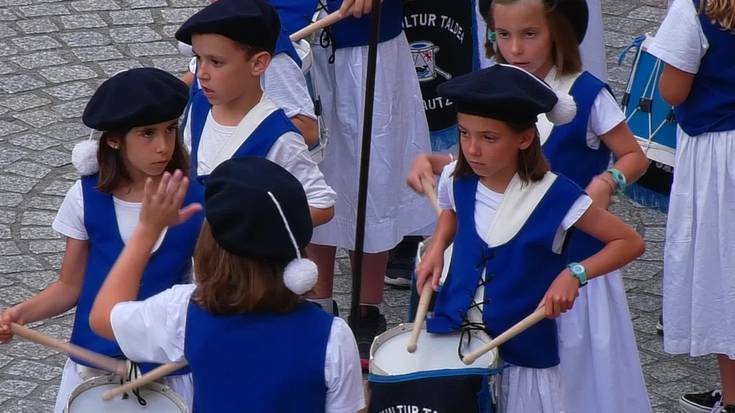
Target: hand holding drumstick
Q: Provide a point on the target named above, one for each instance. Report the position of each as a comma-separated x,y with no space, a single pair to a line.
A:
427,291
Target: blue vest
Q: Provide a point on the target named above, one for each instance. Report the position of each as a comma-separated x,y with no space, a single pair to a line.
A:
167,266
518,273
258,143
284,45
352,32
294,14
258,362
710,106
568,153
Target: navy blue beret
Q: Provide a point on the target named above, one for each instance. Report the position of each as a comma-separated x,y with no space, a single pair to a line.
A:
500,92
245,220
578,14
136,97
575,10
251,22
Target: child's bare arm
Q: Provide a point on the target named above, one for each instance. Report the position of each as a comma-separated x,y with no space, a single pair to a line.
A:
321,216
58,297
622,245
425,168
308,128
431,265
675,85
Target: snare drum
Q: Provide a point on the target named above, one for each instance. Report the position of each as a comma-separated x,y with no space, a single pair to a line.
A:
652,122
87,398
432,379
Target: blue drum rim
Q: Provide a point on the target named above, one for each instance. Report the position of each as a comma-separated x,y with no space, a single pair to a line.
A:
473,371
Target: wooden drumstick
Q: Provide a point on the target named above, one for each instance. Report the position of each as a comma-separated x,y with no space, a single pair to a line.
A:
518,328
110,364
431,194
155,374
426,293
328,20
421,311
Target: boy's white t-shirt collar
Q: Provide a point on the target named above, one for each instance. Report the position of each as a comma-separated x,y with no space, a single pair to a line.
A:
213,151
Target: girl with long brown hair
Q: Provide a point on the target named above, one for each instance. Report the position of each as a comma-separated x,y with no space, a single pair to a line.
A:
508,217
137,112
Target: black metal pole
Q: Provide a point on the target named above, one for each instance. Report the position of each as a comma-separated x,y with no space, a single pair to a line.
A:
367,129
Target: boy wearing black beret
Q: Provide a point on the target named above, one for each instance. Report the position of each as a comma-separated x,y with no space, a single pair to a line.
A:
230,116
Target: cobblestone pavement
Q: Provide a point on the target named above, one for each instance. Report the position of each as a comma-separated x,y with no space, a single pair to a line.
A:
55,53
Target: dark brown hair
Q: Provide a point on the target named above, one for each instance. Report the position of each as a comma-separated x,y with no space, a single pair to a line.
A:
112,170
721,12
231,284
532,164
565,49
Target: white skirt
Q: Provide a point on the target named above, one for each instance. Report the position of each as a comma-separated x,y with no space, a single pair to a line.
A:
182,385
699,259
525,389
399,133
599,356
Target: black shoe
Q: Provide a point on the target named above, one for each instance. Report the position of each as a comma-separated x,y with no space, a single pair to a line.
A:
700,402
372,324
660,325
401,262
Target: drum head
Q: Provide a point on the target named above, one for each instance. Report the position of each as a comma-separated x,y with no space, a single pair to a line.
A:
389,357
87,398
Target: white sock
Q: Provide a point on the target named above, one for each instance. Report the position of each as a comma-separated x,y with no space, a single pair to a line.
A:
324,303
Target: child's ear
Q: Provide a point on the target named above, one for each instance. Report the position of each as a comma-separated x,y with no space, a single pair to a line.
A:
260,63
526,138
113,142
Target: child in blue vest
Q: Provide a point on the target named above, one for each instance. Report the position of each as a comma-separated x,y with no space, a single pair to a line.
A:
229,115
697,42
137,112
284,80
252,343
508,217
543,37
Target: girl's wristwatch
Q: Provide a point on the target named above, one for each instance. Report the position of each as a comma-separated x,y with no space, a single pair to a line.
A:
578,271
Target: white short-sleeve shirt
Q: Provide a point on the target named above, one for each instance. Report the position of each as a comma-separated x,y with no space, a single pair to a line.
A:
680,40
487,203
154,330
219,142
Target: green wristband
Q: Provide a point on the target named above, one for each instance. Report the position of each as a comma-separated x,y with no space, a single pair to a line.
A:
618,178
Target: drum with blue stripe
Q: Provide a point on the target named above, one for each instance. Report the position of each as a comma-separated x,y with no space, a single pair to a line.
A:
652,122
433,378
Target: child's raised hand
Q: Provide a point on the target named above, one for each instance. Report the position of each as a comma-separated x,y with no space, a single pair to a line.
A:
421,171
7,318
561,294
162,204
430,269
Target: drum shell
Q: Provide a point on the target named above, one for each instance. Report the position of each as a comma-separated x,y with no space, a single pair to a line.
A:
444,384
166,401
